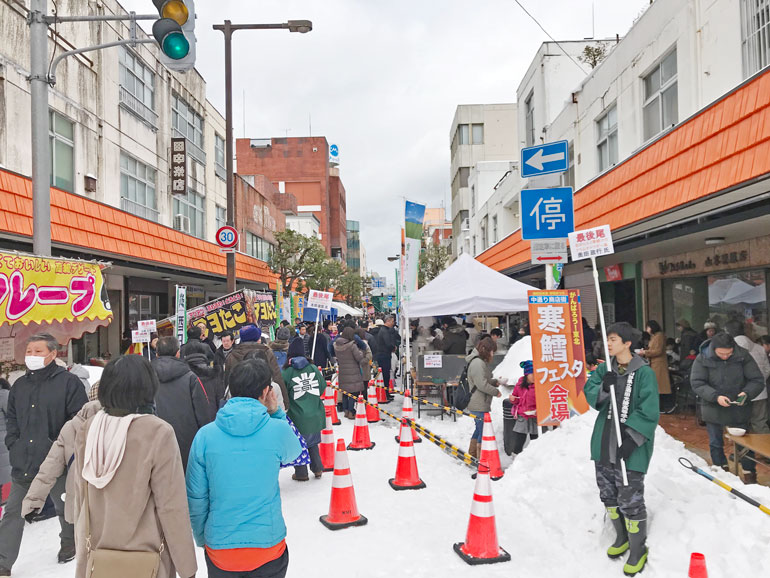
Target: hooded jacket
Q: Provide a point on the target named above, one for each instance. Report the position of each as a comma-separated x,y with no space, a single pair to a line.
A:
524,403
711,377
211,377
196,346
306,385
232,478
181,401
454,340
480,377
239,353
349,358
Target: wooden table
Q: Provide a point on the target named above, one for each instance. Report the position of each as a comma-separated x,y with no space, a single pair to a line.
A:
742,445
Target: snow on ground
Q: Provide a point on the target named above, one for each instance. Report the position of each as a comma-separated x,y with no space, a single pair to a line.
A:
548,514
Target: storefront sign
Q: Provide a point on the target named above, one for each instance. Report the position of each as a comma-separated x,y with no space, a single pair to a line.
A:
674,267
432,361
264,310
589,243
228,313
727,258
180,325
613,273
178,166
558,354
739,255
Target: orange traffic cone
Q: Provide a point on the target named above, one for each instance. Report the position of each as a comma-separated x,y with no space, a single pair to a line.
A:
330,406
698,566
382,395
407,476
343,511
326,447
406,412
489,452
372,413
391,387
361,439
480,546
328,384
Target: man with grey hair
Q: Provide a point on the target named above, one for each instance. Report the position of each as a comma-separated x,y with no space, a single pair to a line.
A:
40,403
388,341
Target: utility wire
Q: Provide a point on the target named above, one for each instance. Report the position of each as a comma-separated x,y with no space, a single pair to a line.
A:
551,37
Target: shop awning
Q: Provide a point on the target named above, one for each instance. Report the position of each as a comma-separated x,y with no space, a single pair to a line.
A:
345,309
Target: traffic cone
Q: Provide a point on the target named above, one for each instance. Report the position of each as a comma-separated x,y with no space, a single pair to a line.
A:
382,396
480,546
407,476
328,384
406,412
697,566
372,413
489,452
326,447
391,387
343,511
330,406
361,439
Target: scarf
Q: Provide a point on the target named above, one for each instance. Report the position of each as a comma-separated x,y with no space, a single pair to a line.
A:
105,446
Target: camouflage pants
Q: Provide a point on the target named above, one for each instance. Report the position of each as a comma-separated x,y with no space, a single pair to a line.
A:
629,499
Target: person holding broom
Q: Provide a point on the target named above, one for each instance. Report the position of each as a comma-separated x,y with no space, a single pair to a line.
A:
636,394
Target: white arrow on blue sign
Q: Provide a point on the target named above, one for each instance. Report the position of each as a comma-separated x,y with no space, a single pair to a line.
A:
546,213
544,159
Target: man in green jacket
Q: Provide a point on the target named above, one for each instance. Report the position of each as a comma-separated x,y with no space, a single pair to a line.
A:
636,393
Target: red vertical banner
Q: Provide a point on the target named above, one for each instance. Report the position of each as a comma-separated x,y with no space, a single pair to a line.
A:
558,354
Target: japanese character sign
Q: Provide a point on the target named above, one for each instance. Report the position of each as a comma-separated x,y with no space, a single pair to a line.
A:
558,354
590,243
547,213
306,383
178,166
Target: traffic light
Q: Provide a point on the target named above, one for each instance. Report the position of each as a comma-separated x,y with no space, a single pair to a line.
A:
175,33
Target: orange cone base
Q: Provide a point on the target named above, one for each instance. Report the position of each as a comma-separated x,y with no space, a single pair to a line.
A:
414,441
338,422
502,557
395,486
353,448
334,526
374,420
493,478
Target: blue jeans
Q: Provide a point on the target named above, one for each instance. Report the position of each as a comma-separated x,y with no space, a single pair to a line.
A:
479,431
716,448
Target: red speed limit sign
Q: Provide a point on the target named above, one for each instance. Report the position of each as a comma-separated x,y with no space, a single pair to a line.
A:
227,237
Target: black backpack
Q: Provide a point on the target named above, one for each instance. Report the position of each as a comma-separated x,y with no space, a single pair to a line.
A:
463,391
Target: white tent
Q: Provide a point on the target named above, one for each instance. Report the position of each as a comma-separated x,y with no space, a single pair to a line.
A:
345,309
468,286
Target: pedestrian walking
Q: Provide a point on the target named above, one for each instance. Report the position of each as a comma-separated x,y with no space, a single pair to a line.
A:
306,385
366,362
524,408
181,399
39,404
129,483
656,355
759,410
350,378
636,394
388,341
322,357
240,524
483,388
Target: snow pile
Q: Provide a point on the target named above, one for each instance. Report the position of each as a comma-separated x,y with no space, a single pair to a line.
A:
509,367
548,514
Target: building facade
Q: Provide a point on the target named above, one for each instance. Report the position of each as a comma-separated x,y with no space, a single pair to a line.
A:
353,259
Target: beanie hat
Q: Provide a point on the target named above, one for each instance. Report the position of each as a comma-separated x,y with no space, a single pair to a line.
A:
527,367
283,334
250,333
296,348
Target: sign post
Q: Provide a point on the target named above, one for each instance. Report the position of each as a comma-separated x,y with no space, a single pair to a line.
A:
181,314
319,300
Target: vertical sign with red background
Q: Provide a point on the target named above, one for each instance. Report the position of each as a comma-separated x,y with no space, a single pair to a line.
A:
558,354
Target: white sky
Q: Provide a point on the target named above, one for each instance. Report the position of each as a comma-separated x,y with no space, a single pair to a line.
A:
382,79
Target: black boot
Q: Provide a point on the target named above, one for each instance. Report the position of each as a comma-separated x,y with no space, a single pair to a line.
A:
637,538
620,545
66,553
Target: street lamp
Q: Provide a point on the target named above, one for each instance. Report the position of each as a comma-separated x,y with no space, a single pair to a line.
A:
301,26
396,258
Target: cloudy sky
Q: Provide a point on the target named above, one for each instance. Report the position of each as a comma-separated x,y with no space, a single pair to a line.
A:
382,79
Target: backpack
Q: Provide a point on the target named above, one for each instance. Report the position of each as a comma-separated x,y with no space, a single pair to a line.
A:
280,357
463,391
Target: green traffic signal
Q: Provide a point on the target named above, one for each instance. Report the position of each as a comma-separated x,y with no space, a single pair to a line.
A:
172,40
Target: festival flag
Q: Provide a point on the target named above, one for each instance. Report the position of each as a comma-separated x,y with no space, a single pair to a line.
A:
413,220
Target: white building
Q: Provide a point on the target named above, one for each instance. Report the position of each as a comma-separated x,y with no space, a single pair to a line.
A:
305,224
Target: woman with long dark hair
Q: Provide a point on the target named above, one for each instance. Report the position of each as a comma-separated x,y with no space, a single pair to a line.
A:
656,355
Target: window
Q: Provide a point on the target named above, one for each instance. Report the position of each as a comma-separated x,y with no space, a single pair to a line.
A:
661,106
137,87
219,157
62,148
484,238
607,143
137,188
477,133
190,214
464,173
473,199
529,120
221,217
755,33
462,131
257,247
494,229
189,124
474,246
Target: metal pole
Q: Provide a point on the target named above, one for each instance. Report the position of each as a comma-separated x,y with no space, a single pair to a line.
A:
231,281
41,161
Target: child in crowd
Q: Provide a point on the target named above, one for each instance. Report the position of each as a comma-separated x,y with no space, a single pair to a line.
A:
524,408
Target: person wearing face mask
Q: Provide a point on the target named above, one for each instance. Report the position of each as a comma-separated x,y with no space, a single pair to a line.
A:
39,404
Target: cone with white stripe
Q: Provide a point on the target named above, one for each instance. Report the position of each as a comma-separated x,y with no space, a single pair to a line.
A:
407,476
326,447
489,452
406,412
330,406
361,439
480,546
391,387
382,395
372,412
343,511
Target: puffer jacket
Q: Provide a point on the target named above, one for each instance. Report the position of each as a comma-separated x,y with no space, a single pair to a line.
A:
711,377
453,342
56,463
523,400
366,363
349,358
480,377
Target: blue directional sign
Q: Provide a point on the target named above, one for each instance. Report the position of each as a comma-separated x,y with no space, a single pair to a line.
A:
545,159
546,213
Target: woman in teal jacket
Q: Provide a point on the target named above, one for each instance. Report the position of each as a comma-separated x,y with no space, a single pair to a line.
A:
232,479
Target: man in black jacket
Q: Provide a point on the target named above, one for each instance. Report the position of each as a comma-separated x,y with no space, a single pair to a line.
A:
39,404
387,342
181,400
195,344
220,357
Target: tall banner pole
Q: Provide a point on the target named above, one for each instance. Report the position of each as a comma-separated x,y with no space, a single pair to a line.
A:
315,333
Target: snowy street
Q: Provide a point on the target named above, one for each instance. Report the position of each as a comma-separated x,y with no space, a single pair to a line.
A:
547,509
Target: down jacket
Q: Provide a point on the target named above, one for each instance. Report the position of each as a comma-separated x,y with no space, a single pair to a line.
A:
480,377
349,358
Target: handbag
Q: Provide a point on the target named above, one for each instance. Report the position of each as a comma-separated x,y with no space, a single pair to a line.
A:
104,563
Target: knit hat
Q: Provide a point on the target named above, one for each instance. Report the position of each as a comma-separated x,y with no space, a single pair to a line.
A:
250,333
296,348
527,367
379,322
283,334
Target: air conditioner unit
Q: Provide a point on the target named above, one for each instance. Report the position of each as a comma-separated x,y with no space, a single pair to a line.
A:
182,223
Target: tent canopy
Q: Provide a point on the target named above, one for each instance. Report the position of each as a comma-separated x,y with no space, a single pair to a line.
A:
468,286
345,309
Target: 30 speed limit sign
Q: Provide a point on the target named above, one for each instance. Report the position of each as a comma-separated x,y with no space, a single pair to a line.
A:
227,237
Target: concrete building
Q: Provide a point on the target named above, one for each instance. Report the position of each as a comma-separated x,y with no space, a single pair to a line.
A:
479,132
436,228
300,166
257,217
305,224
353,259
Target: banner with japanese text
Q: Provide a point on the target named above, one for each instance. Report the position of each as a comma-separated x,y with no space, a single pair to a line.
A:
558,354
413,219
264,310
